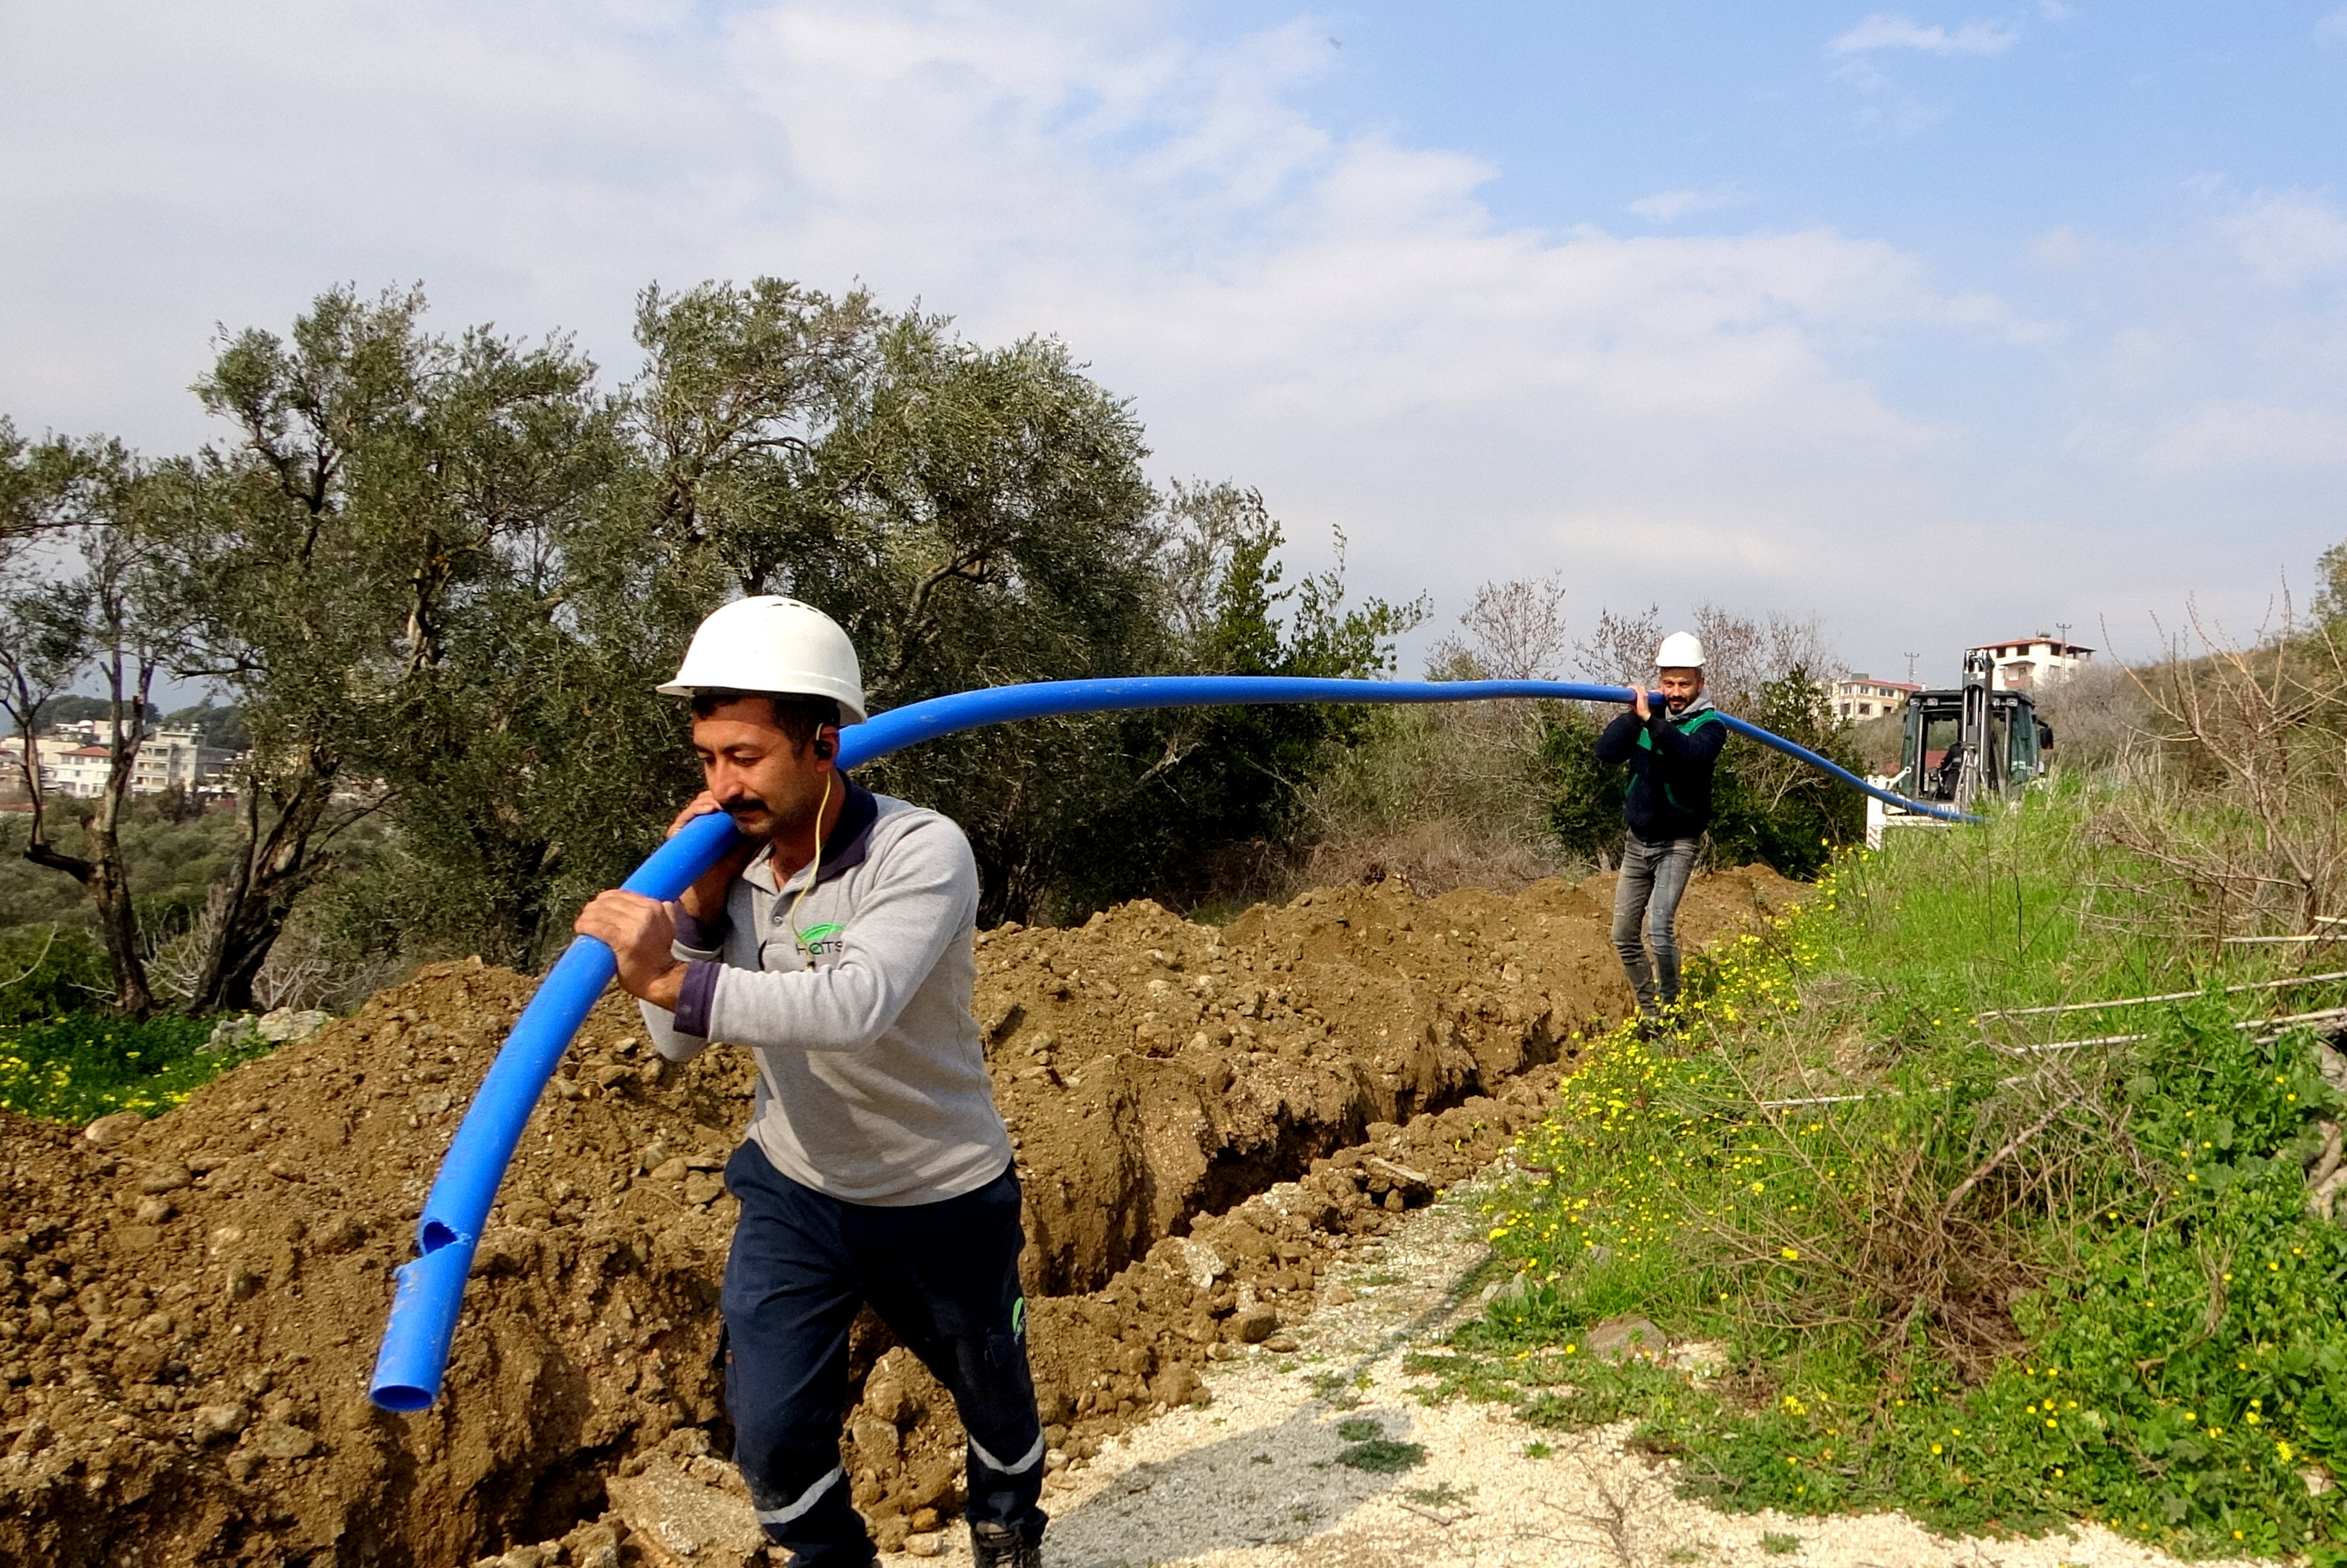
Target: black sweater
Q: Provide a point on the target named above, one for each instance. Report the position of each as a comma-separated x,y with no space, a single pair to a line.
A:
1668,794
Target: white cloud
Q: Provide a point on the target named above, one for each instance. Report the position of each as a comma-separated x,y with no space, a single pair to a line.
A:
1159,201
2243,433
2289,237
1891,111
1884,30
2332,30
1336,316
1670,206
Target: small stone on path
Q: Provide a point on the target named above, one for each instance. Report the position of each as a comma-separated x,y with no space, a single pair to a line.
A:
1628,1338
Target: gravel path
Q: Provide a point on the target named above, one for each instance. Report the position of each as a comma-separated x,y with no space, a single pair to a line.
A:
1251,1481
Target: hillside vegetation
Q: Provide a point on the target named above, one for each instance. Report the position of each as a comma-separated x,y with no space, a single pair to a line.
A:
1982,1235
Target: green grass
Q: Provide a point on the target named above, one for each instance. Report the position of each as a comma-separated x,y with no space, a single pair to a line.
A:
1383,1456
1366,1448
2001,1292
88,1065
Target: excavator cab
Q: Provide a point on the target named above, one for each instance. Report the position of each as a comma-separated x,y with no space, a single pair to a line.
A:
2013,749
1959,745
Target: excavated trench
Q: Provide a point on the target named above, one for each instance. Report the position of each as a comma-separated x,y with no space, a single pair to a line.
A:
1205,1120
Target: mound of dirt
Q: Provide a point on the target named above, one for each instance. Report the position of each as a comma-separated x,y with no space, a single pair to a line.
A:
1205,1119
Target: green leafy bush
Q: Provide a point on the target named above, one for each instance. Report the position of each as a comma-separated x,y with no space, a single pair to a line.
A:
88,1065
47,971
1382,1456
1586,799
1773,809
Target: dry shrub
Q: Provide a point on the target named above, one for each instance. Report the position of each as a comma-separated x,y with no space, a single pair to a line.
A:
1930,1210
1880,742
1439,797
302,969
1432,856
2235,803
1451,796
2101,716
1741,655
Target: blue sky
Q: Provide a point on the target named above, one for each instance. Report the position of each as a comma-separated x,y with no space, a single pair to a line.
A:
2013,120
1937,322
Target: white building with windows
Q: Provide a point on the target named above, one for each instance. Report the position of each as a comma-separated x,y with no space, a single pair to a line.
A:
73,762
1856,697
2029,663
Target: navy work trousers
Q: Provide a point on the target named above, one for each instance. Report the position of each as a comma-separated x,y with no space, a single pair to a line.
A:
943,1276
1653,875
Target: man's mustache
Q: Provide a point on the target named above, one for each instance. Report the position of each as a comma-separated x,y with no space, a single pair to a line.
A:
744,805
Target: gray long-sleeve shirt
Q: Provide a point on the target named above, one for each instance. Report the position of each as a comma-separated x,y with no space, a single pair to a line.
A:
872,1081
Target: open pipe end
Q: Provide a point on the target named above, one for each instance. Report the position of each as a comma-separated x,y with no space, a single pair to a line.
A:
400,1399
414,1353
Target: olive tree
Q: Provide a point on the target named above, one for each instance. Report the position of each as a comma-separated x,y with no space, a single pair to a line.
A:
92,591
387,588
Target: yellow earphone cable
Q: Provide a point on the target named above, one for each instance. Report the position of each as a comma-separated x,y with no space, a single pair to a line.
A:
815,868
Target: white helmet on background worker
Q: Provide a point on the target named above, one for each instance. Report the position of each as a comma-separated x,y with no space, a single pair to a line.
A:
1680,651
773,644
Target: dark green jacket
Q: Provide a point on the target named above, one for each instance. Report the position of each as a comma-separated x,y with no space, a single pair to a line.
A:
1670,758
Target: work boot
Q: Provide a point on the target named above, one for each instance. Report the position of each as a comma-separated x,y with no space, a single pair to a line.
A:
1002,1546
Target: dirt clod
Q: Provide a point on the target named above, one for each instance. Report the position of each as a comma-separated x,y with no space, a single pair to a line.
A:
113,1132
689,1514
217,1423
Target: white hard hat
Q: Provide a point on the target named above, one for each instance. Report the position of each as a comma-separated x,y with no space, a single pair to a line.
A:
1680,651
773,644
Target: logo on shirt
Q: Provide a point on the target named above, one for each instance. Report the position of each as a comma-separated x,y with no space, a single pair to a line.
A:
821,941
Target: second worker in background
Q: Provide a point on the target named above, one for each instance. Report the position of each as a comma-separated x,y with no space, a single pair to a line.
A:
1670,751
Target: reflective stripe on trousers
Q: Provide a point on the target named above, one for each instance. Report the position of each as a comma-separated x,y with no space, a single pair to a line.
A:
944,1278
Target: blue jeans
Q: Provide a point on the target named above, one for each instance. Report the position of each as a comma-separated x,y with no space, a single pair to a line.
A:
1652,878
943,1276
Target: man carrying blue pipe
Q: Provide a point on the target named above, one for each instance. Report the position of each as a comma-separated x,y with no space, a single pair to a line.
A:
835,943
1667,802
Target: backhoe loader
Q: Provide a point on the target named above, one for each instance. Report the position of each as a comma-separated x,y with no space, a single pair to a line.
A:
1964,745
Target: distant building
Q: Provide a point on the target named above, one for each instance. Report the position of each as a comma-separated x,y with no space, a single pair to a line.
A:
74,759
2028,664
78,771
1859,696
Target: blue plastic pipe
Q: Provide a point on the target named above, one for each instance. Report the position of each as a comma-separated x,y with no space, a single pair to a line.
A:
430,1291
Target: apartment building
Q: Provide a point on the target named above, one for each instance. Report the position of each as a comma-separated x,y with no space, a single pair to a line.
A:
74,759
1859,696
2028,664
